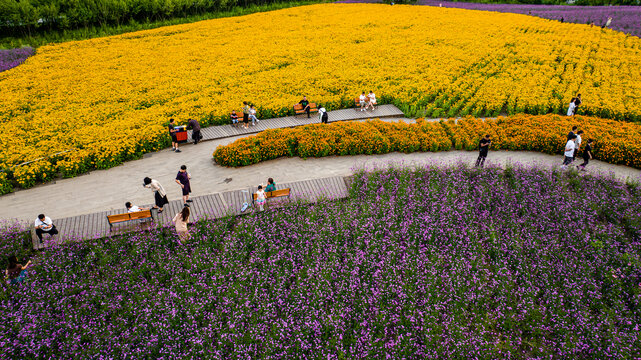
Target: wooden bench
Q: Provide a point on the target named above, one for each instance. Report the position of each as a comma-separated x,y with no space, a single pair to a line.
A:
119,218
298,109
357,103
239,114
273,194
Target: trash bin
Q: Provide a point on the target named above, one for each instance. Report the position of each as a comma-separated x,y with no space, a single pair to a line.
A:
181,134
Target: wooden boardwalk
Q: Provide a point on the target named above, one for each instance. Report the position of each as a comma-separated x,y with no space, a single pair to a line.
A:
213,206
224,131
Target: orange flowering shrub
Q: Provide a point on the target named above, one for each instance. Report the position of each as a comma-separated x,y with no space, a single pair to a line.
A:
616,142
344,138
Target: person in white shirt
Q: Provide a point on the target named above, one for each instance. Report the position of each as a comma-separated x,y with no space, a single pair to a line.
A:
569,150
43,224
133,208
571,108
372,100
261,198
160,195
252,115
322,114
361,100
578,144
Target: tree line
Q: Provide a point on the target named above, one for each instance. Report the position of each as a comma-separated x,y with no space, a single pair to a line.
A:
24,17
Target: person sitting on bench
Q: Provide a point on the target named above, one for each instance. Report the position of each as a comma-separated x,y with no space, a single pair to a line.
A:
234,118
44,225
133,208
305,104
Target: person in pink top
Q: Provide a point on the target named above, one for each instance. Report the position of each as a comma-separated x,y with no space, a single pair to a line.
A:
181,219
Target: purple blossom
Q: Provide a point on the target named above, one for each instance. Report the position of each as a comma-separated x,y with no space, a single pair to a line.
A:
14,57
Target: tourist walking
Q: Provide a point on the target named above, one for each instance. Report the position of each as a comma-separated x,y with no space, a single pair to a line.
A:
245,115
270,185
362,101
569,150
587,155
252,115
44,225
305,104
172,133
160,195
484,146
181,220
195,130
322,115
577,141
571,107
572,133
182,179
372,100
261,198
16,272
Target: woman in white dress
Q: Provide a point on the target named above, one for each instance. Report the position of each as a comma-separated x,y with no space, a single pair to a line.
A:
372,100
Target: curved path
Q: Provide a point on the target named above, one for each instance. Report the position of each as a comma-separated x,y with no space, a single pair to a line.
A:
110,189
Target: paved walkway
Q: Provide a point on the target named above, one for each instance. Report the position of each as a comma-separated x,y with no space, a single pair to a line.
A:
225,131
104,190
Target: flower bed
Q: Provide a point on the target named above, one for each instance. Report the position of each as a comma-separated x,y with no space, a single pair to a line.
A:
616,142
426,263
110,98
13,57
343,138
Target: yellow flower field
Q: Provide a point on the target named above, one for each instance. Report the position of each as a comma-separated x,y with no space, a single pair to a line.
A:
110,98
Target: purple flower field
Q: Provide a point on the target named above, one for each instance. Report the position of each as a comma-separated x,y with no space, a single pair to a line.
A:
626,19
14,57
418,263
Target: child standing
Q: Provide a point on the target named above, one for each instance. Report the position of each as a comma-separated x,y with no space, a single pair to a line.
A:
261,198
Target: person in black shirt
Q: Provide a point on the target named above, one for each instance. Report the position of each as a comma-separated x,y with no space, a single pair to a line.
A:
484,146
195,127
577,102
172,133
305,105
587,155
571,134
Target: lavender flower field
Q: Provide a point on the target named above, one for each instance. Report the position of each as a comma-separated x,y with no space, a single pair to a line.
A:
13,57
426,262
626,19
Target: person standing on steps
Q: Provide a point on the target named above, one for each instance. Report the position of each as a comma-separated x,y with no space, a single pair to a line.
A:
181,220
44,225
322,114
160,195
195,127
172,133
484,147
182,179
305,104
569,150
245,115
